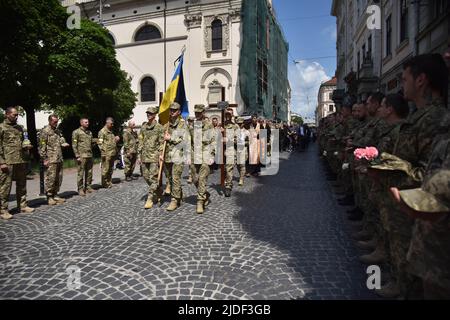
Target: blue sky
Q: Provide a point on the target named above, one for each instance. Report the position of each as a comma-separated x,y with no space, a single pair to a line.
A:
311,33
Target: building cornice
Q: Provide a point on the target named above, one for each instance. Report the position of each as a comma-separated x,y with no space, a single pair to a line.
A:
140,43
216,63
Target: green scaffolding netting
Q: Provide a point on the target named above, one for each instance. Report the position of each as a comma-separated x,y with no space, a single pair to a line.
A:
263,70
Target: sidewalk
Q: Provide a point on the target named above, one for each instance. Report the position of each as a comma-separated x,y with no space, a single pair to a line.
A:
68,186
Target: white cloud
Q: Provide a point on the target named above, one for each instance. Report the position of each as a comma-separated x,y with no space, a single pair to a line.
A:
305,78
330,32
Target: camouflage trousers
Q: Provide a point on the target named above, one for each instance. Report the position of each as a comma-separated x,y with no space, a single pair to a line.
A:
107,171
371,221
18,173
229,168
400,232
200,177
150,173
130,164
173,174
53,178
84,173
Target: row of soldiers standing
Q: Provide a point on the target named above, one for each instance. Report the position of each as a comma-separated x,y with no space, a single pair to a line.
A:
172,144
403,218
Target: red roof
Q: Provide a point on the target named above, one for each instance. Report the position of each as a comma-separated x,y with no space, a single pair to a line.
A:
332,82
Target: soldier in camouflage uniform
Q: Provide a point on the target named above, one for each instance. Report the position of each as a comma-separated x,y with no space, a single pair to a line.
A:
352,124
230,129
107,143
394,109
242,147
130,148
50,151
429,205
150,150
82,142
422,83
203,153
367,136
191,120
175,135
14,145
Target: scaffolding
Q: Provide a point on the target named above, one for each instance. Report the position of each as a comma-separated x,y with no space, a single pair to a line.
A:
263,73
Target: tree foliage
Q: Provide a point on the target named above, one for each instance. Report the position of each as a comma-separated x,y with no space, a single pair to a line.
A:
46,66
297,120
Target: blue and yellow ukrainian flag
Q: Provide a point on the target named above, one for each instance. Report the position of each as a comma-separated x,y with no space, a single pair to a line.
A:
175,93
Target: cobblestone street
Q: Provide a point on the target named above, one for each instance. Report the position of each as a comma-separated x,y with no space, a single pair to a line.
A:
278,237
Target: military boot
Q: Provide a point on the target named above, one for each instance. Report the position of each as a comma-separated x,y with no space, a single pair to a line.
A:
389,290
5,215
51,201
376,257
367,245
241,181
200,207
208,197
167,191
149,203
227,192
174,204
26,210
81,192
59,200
89,190
362,235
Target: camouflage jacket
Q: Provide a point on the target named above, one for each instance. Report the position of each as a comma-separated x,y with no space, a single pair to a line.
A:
369,134
387,136
50,141
151,142
13,139
231,132
130,141
414,144
177,145
107,143
203,139
82,142
334,136
428,253
359,130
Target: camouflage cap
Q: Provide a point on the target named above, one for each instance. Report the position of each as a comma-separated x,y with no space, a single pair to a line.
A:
389,162
239,120
433,196
153,109
175,106
199,108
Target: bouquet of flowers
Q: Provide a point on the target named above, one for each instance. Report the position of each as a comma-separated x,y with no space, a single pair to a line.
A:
369,154
364,157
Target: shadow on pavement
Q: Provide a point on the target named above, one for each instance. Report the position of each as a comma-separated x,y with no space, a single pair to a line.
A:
294,211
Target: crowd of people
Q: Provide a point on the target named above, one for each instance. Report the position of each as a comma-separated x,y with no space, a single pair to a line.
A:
401,189
296,137
198,143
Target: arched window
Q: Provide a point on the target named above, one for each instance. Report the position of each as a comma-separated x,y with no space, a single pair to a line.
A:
147,32
148,89
112,39
216,36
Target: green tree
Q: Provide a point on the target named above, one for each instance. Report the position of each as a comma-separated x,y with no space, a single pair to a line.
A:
297,120
46,66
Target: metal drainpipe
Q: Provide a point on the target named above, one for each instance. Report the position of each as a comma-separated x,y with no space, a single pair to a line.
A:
416,36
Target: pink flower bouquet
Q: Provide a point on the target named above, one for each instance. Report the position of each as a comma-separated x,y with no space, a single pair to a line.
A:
369,153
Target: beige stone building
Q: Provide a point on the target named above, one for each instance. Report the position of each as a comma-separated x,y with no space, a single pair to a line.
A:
325,103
